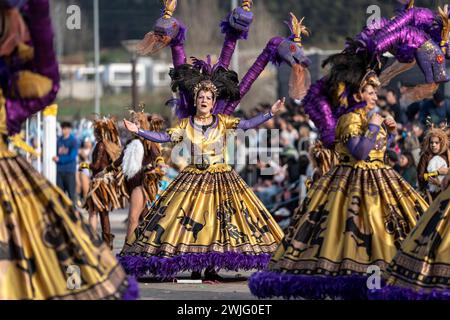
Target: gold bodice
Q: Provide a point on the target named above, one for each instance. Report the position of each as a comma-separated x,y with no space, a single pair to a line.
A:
207,149
355,124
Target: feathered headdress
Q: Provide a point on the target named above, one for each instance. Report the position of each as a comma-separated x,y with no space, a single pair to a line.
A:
189,78
435,131
297,28
106,130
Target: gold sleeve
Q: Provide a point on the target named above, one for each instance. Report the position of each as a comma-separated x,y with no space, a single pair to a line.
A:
349,125
229,121
177,132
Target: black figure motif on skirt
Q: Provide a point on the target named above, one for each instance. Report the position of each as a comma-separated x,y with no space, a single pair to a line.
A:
298,213
57,237
191,225
154,226
430,238
362,238
395,224
11,251
311,230
257,230
224,213
418,209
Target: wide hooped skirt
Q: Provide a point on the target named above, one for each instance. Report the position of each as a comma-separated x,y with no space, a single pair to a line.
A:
204,219
47,251
421,268
351,224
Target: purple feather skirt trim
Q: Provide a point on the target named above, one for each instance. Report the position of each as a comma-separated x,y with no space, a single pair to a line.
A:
132,292
269,284
167,268
400,293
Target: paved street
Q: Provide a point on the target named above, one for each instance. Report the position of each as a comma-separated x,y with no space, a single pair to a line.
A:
233,288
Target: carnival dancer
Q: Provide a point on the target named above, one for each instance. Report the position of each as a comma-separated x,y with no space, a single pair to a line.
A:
138,169
47,251
104,196
421,268
354,217
434,162
357,215
208,218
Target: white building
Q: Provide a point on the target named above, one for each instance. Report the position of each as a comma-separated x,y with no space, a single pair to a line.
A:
77,81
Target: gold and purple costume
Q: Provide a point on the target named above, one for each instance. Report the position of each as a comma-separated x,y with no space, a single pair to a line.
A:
44,240
421,268
47,251
355,216
207,217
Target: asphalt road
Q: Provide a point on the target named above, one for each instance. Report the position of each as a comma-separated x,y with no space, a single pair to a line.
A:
234,286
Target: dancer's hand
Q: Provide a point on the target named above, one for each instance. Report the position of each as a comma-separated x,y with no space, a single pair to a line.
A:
376,119
435,181
391,125
130,126
277,105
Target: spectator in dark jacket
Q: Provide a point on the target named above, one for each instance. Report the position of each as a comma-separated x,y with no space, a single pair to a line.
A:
66,161
436,109
408,169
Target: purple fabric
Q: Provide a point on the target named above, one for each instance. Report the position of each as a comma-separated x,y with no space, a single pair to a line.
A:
158,137
400,293
44,63
319,109
410,38
12,3
403,34
360,147
269,284
132,292
391,139
226,28
167,268
417,17
432,63
365,37
231,37
255,121
253,73
177,46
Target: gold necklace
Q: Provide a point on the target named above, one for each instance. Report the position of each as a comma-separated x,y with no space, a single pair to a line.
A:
204,117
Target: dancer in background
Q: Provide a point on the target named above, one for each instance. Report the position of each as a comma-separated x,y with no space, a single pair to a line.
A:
104,195
434,162
138,170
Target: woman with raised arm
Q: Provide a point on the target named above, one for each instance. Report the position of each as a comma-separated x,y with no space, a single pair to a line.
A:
208,218
353,219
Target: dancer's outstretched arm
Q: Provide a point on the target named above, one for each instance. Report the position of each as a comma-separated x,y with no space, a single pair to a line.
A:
158,137
262,117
